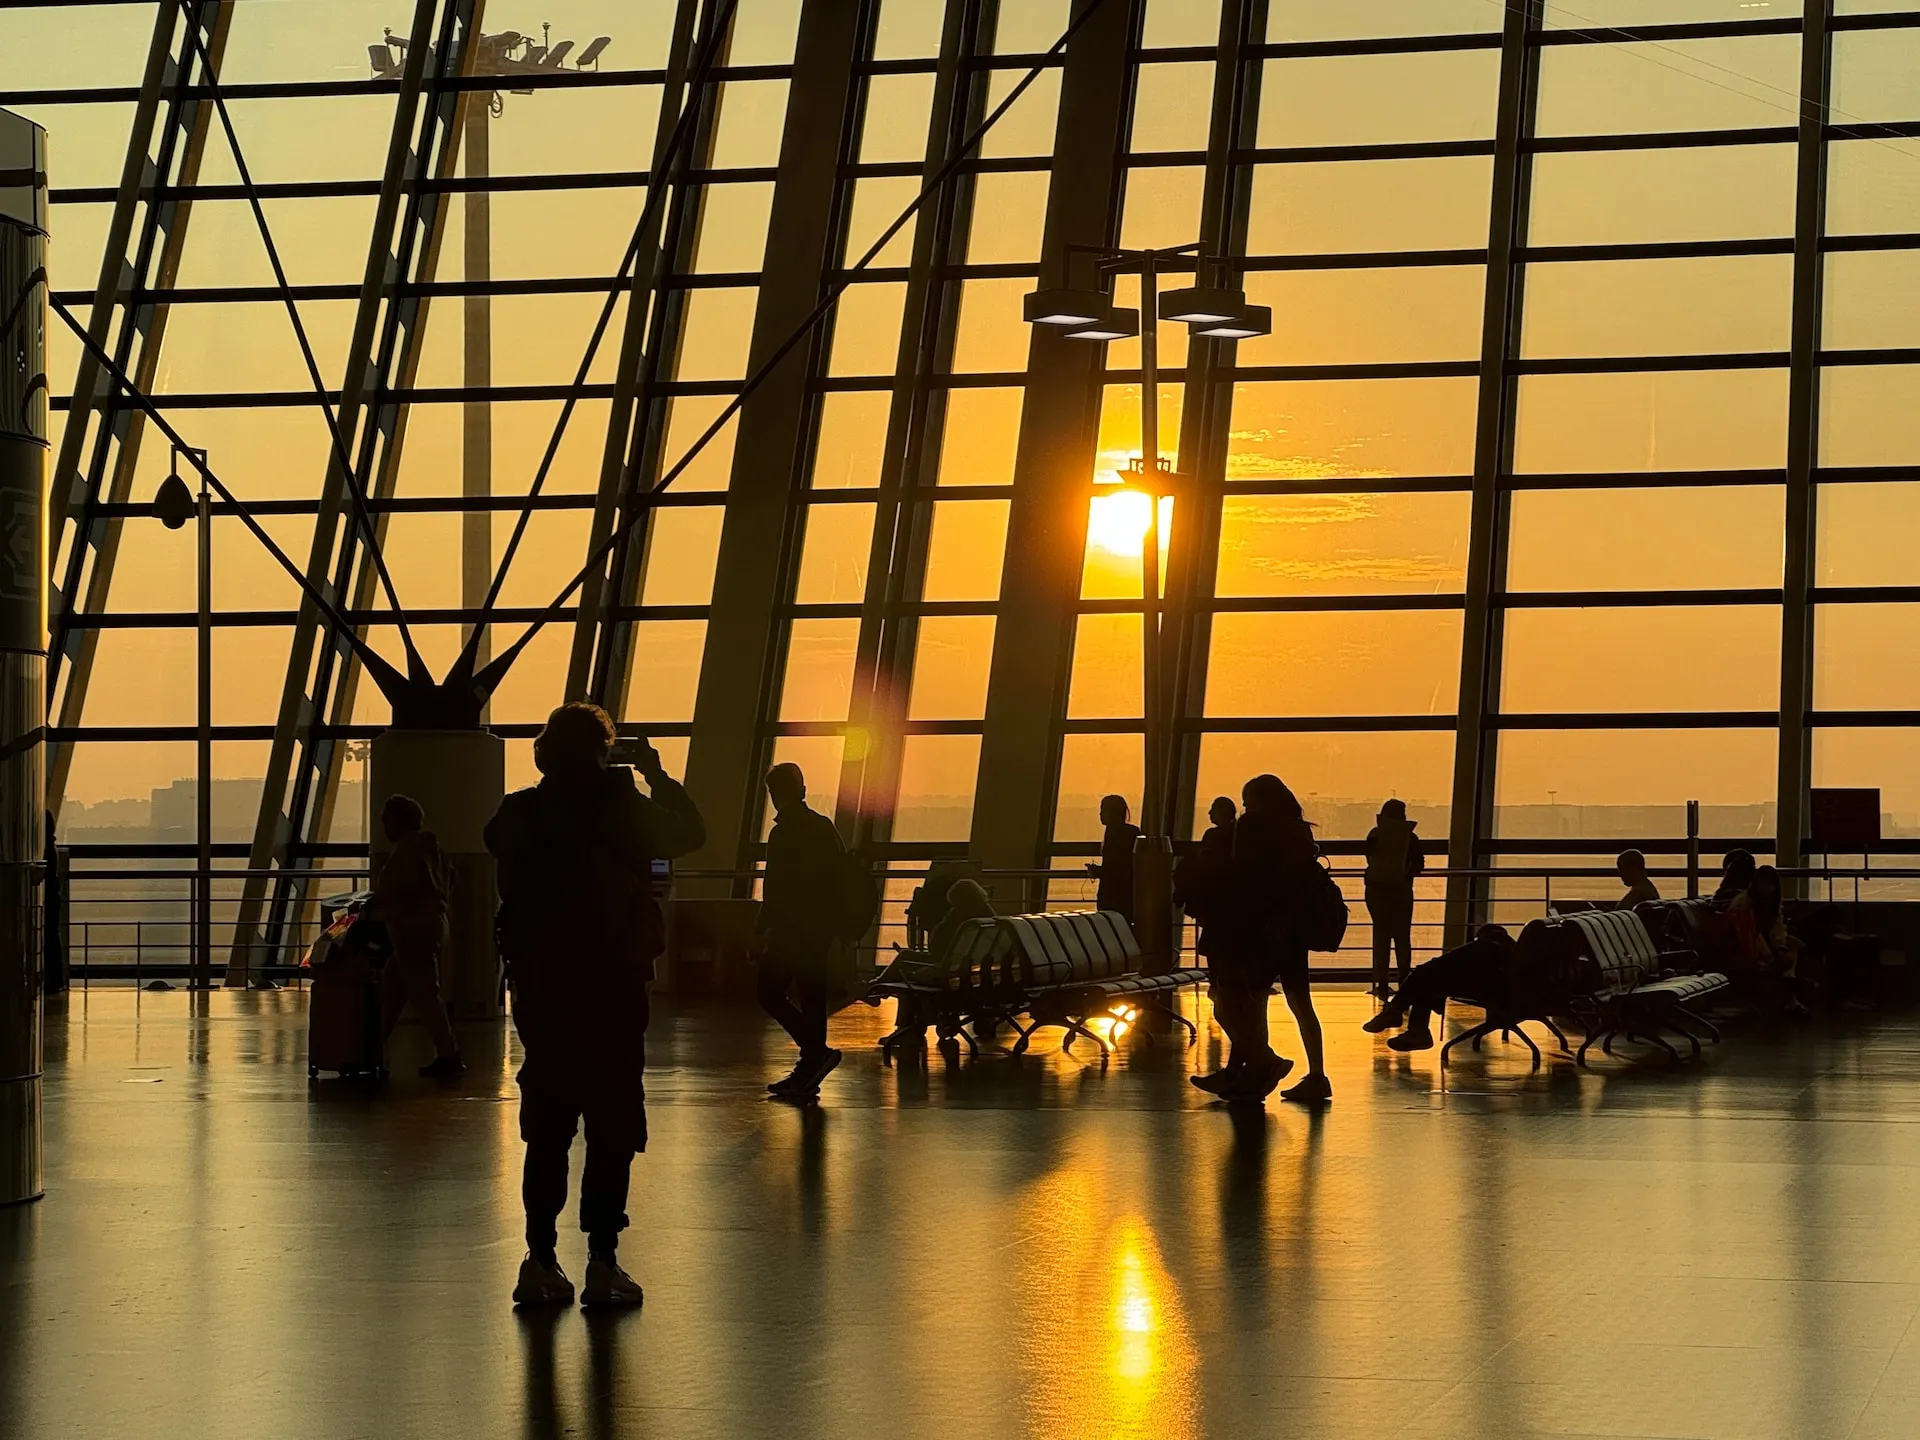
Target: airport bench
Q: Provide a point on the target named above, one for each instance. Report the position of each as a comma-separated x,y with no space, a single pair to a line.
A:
1629,987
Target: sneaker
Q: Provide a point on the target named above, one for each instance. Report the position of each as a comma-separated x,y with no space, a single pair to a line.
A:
1258,1078
1314,1090
542,1282
795,1079
446,1067
1220,1081
1411,1040
608,1284
827,1062
1385,1020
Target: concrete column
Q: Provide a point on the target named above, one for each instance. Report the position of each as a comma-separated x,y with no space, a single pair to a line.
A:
23,642
459,777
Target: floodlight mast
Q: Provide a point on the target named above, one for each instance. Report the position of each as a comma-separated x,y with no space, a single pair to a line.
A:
505,55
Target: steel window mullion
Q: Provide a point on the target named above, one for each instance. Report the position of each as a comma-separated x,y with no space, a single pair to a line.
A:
1207,414
1803,435
122,300
897,562
1473,759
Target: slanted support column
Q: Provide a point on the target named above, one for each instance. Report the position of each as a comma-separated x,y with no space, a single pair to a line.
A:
1475,740
753,575
1803,438
1059,428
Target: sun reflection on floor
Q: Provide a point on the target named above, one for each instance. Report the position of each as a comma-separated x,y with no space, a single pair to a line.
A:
1108,1350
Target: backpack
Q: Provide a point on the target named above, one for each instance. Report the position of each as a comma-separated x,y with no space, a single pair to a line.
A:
857,901
1324,911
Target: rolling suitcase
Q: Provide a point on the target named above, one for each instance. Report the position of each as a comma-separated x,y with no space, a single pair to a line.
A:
343,1010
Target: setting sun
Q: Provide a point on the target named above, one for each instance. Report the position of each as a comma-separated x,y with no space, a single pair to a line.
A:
1117,522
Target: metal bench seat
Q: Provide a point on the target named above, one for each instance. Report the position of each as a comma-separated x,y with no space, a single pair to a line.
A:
1633,996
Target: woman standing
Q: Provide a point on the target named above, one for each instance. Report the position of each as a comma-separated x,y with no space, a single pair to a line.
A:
1260,938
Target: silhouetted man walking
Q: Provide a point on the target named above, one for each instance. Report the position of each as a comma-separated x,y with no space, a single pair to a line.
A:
799,909
579,930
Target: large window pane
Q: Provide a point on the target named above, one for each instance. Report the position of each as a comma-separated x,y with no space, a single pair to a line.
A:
866,330
993,333
1387,662
1632,197
1866,657
665,674
980,436
1162,209
951,660
717,334
1371,19
1873,186
1357,206
966,549
1092,766
1354,544
853,440
1009,218
1882,759
1871,300
898,107
1634,784
1689,537
819,678
1635,658
1670,420
1725,83
1172,106
1866,535
1361,428
1340,779
1873,74
1379,99
1106,680
683,545
834,555
937,775
1867,415
1716,306
1358,317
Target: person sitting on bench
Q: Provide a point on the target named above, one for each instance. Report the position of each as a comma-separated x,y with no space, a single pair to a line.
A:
1473,972
1631,866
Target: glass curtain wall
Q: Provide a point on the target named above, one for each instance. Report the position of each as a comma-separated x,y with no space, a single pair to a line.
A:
1572,484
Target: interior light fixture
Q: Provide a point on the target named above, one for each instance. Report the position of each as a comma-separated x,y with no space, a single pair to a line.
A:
1253,321
173,503
1122,322
1067,308
1203,305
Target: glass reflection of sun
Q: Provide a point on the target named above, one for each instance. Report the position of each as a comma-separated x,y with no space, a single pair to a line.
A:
1117,522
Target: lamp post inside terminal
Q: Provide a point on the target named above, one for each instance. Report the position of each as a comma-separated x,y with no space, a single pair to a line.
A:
1211,308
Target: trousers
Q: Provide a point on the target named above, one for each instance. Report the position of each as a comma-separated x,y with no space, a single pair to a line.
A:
413,976
788,971
563,1085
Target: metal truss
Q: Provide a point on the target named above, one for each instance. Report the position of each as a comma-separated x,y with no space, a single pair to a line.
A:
100,446
304,765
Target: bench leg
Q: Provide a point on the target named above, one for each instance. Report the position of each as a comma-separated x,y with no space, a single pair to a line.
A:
1473,1035
1558,1034
1527,1040
1026,1036
1586,1044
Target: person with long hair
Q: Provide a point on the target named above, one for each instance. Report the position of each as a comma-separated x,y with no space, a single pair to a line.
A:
1259,938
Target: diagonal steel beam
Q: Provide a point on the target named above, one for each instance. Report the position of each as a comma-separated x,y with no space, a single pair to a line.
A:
409,221
100,445
1475,738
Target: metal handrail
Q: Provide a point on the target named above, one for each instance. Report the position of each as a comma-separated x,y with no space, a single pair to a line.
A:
162,944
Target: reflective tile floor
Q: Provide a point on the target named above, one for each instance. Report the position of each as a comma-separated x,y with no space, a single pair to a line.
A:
1006,1248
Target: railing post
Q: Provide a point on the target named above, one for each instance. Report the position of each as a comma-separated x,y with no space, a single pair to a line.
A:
1693,849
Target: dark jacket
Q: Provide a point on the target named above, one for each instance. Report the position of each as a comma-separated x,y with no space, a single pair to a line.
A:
799,902
1272,856
1394,855
1202,879
410,894
578,920
1115,891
